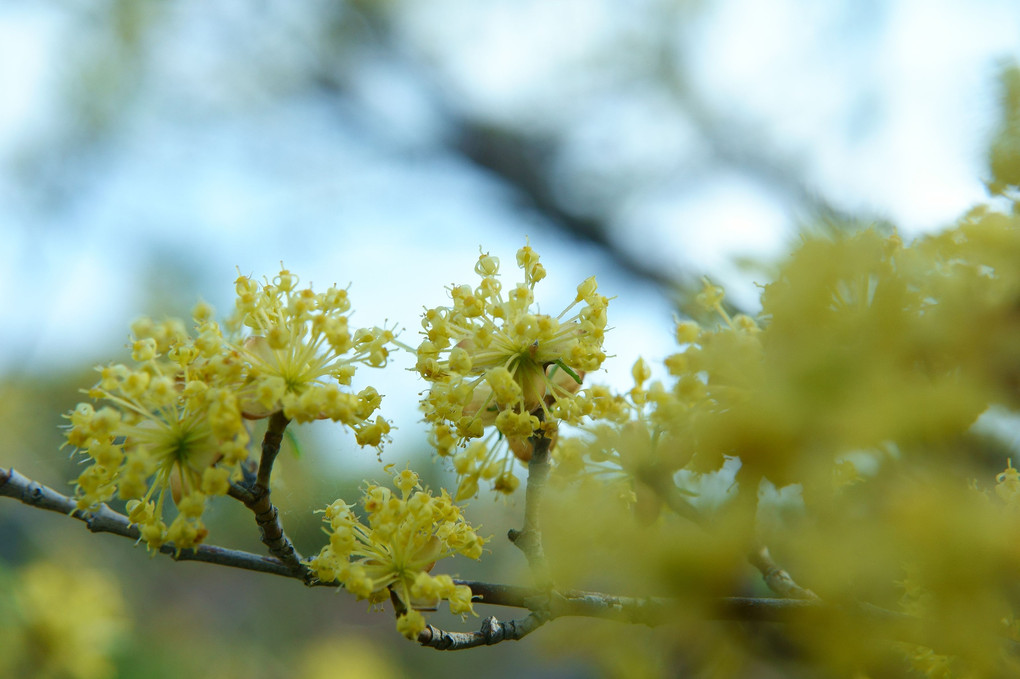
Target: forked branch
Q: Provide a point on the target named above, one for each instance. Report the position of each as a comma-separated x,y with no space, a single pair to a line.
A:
257,499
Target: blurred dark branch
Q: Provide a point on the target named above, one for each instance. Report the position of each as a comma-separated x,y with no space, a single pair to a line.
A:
521,160
736,144
524,159
777,579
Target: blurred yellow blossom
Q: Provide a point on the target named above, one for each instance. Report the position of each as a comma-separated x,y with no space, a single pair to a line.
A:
58,621
351,656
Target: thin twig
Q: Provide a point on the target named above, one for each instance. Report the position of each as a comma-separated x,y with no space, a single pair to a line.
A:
106,520
654,611
270,449
574,603
499,595
660,481
529,538
566,603
240,493
778,580
492,632
258,500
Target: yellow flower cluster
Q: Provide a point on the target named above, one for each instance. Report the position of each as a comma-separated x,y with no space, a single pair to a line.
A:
852,392
173,421
405,536
494,361
299,349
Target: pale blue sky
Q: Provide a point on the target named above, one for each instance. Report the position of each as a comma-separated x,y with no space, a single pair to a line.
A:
218,158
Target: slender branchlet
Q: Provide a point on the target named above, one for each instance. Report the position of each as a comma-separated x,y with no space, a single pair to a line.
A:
106,520
659,480
529,538
492,632
241,494
567,603
777,579
258,500
270,449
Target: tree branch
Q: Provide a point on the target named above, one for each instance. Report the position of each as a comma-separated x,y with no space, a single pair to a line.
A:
568,603
492,632
647,610
778,580
529,538
257,499
106,520
660,481
270,449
